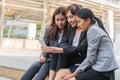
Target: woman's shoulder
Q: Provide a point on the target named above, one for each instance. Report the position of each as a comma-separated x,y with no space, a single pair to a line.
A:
47,29
94,32
95,29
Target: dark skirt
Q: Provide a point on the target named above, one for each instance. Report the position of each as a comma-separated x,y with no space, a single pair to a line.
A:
66,61
91,74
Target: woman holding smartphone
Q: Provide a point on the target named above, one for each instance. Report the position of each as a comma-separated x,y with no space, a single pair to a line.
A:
54,34
58,31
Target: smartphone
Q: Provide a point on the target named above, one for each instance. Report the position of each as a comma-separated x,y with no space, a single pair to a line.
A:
72,68
42,43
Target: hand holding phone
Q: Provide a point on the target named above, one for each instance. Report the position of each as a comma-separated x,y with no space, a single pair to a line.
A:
72,68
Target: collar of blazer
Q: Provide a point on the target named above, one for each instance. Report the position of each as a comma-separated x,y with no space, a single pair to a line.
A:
72,34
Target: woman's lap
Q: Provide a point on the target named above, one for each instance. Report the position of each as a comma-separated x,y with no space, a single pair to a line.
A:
62,73
91,74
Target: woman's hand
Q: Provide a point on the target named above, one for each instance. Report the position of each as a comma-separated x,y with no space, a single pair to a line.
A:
47,49
52,49
42,59
70,76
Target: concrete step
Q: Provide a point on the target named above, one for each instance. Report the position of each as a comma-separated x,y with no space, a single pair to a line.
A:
12,73
14,67
13,63
5,78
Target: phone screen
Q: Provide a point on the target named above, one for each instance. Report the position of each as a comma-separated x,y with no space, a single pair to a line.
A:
42,43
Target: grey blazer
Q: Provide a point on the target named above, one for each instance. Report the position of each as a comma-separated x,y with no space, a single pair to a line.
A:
100,55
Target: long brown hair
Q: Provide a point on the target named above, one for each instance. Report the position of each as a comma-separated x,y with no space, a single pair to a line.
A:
54,28
86,13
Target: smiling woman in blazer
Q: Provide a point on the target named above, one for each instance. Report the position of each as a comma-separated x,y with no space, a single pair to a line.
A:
100,62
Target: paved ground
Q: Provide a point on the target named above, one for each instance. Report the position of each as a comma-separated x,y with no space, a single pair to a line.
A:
17,58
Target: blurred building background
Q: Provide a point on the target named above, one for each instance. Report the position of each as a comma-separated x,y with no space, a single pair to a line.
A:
22,22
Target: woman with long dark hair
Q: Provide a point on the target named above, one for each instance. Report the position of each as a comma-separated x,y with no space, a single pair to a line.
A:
100,62
54,34
58,31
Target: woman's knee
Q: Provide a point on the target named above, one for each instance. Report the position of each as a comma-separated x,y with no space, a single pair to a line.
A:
64,71
61,73
36,64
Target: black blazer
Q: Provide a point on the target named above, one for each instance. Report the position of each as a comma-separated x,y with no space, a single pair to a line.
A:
81,49
53,57
46,39
72,55
50,42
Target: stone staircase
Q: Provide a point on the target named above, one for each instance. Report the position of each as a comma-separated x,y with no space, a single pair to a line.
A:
13,63
12,73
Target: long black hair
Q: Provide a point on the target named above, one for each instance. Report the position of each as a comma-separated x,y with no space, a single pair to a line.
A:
86,13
